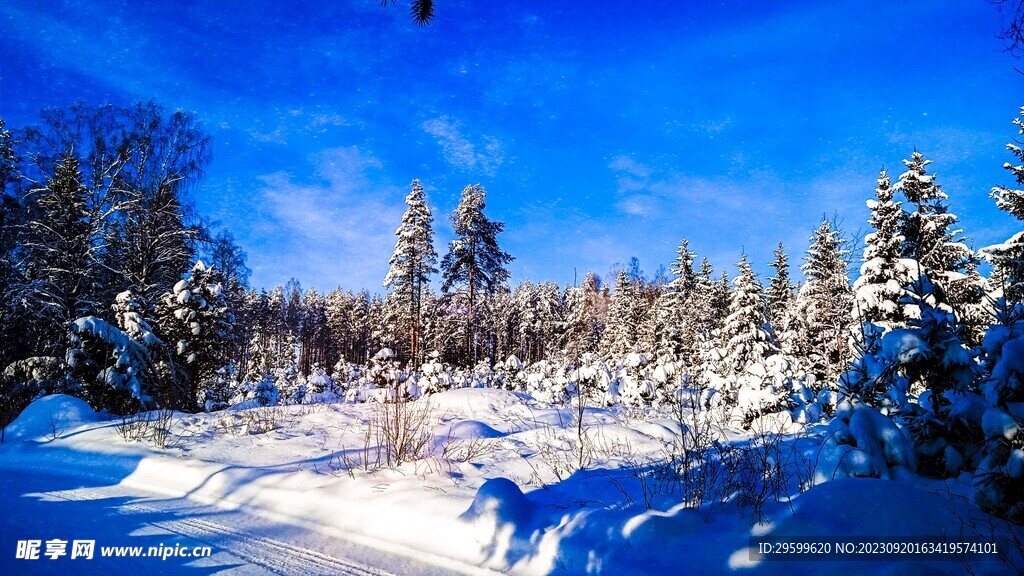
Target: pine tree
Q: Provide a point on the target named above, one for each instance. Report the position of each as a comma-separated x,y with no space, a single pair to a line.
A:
313,337
825,301
15,394
929,236
745,336
1009,199
474,259
1007,258
939,366
195,322
674,332
747,342
413,262
7,157
60,274
627,329
998,481
883,275
721,296
780,289
586,309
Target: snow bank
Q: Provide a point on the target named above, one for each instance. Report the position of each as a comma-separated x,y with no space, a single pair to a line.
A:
472,430
49,417
473,400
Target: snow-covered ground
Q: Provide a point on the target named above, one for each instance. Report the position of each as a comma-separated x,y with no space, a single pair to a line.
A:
491,482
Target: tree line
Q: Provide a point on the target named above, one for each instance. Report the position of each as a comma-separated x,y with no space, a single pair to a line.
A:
96,225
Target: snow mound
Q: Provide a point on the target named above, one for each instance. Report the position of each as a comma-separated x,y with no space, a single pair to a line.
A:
862,443
501,501
472,430
475,400
51,416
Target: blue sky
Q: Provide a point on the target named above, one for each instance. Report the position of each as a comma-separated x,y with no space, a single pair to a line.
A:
601,130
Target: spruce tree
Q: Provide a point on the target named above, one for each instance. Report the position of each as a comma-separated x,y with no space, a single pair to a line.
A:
1007,258
929,235
780,289
194,321
626,329
586,309
616,340
673,331
824,302
474,260
744,331
883,276
412,263
1009,199
747,342
61,271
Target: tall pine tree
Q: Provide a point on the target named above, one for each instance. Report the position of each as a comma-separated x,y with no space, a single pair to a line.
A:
60,273
474,260
780,288
883,275
674,332
823,304
412,263
929,235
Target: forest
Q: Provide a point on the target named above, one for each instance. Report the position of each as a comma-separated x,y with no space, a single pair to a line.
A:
116,291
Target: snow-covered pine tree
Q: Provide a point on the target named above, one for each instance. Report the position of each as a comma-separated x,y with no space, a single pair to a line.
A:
745,339
7,157
412,263
940,369
929,233
999,479
1007,258
194,321
626,330
747,342
883,275
58,243
824,301
780,290
673,331
474,259
537,316
1009,199
586,309
721,297
314,340
13,395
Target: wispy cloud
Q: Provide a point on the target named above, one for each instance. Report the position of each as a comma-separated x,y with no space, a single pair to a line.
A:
338,227
483,154
733,212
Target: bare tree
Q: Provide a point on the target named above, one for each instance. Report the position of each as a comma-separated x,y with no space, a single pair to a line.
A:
1013,32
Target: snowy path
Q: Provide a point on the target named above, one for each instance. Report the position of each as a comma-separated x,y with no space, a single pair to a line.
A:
42,505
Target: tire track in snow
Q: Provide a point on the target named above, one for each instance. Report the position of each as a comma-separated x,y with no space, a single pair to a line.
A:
274,555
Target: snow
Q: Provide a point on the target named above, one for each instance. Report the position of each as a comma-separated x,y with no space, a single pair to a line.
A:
863,443
497,488
1011,363
998,424
904,345
49,417
475,400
